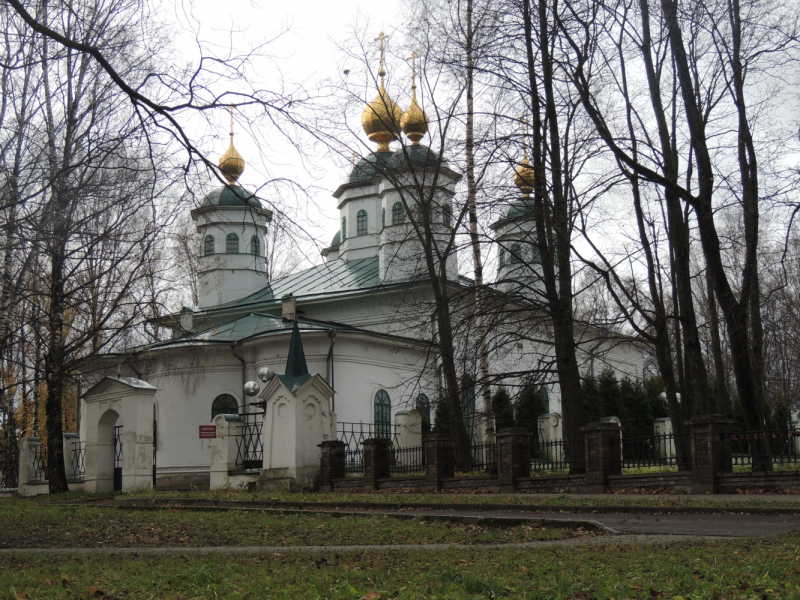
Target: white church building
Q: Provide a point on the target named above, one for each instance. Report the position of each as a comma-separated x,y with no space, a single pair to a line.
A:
367,335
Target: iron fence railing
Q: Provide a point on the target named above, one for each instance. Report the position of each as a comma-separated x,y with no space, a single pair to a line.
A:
354,462
764,449
407,460
474,459
39,464
668,451
556,456
250,445
78,459
354,434
9,463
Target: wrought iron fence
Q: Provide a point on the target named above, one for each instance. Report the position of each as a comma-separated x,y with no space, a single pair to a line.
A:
779,447
354,434
354,462
250,445
78,459
9,463
39,464
668,451
556,456
408,460
474,459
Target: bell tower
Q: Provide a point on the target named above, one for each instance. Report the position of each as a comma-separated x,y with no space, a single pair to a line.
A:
233,224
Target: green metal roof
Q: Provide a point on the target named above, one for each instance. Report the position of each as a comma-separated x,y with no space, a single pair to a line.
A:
369,166
231,195
415,155
332,277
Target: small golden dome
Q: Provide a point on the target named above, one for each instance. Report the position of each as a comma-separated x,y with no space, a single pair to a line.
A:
381,119
414,121
523,177
231,164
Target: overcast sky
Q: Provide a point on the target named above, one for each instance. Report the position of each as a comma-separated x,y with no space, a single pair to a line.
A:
305,53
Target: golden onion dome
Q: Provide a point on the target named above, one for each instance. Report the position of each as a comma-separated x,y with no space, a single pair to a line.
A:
381,119
523,176
414,122
231,164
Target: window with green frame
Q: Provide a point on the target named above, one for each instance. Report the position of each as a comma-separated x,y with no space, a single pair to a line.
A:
361,222
208,245
232,244
502,257
447,215
255,246
536,257
383,414
398,214
224,404
344,228
515,254
424,409
383,217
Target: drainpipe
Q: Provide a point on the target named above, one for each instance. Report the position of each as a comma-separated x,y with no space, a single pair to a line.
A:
244,375
332,335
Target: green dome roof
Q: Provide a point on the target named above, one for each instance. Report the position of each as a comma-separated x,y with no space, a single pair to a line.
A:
520,208
231,195
337,239
369,166
418,156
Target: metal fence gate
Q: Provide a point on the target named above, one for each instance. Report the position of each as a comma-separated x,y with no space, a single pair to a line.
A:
118,458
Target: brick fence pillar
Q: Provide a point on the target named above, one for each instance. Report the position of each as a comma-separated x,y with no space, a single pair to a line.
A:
513,457
377,461
439,463
603,454
711,451
332,463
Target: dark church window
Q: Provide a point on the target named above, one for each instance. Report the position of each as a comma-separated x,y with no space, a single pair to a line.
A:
398,214
255,246
361,222
224,404
232,244
383,414
208,245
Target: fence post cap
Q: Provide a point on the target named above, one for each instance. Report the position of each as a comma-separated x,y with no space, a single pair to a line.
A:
709,420
70,436
513,431
331,444
600,425
377,442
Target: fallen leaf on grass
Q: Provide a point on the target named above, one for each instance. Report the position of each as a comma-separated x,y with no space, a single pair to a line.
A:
93,591
370,595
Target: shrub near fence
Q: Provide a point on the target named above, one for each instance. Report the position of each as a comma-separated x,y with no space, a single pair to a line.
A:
8,470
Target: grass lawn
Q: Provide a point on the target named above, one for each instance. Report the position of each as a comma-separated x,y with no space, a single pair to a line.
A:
718,569
30,524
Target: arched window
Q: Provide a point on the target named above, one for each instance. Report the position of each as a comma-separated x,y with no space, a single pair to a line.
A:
424,409
232,244
536,257
515,254
255,246
398,214
383,217
361,222
383,414
344,228
208,245
447,215
502,257
224,404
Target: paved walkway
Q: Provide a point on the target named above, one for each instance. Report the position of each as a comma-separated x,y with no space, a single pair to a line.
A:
571,542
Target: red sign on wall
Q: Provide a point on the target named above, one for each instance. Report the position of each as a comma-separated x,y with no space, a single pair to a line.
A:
208,432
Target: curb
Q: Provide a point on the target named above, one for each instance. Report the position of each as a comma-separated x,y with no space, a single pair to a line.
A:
376,506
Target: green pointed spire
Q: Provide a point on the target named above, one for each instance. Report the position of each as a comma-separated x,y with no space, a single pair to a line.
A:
296,362
296,369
